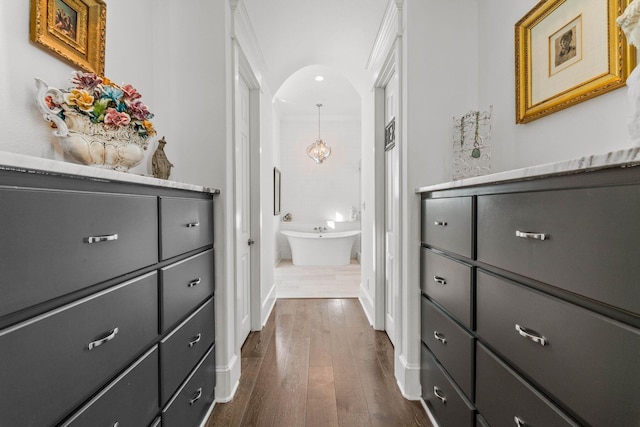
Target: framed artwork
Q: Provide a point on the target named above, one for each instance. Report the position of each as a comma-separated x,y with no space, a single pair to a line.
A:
276,191
568,51
73,29
390,134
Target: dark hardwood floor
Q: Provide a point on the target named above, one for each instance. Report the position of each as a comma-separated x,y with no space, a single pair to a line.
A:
318,362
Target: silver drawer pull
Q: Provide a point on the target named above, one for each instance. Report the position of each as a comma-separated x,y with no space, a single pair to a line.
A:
519,422
116,424
195,340
194,283
98,239
440,223
439,394
101,341
440,280
196,396
192,224
529,235
533,336
440,337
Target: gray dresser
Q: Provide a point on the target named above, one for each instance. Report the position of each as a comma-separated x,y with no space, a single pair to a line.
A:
106,302
531,301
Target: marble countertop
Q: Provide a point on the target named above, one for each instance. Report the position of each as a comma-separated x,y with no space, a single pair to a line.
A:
20,162
621,158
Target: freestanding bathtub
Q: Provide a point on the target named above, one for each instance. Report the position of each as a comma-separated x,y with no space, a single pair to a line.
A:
333,248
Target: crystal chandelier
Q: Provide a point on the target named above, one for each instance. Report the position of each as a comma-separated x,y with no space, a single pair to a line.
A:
318,151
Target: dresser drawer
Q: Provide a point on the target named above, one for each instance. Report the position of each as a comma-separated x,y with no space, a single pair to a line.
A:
502,396
587,361
130,400
452,345
54,361
184,285
180,350
591,240
448,224
191,403
446,403
185,224
45,239
449,283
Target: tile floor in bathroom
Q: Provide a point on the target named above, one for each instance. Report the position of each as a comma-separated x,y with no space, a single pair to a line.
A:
317,281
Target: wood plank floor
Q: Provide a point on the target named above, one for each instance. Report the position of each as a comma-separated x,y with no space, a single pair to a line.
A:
318,362
294,281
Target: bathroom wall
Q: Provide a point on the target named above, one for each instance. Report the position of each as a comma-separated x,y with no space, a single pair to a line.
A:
327,191
315,193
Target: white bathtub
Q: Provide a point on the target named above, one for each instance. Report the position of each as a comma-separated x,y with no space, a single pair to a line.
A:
332,248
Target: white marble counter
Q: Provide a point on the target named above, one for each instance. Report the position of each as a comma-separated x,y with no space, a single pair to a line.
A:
621,158
20,162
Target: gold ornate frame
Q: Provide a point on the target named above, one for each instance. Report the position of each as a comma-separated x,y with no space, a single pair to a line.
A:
79,37
537,95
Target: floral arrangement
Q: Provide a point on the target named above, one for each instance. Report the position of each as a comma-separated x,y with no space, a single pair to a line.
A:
105,102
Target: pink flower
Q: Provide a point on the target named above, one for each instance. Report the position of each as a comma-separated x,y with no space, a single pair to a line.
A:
139,110
131,93
85,80
114,118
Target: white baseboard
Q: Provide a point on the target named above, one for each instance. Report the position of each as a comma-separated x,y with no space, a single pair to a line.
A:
271,301
408,378
367,304
227,380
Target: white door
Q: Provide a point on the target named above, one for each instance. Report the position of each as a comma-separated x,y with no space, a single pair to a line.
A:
243,213
392,215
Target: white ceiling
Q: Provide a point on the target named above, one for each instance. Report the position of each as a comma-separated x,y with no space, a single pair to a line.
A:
303,38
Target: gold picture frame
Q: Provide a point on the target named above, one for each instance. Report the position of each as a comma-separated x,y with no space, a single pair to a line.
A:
568,51
74,29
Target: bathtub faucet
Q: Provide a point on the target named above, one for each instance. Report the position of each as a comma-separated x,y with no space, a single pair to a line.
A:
319,229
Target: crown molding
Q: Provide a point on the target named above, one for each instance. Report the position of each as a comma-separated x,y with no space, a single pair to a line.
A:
389,30
243,32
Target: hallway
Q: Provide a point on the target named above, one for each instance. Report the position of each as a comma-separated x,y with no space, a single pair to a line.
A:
318,362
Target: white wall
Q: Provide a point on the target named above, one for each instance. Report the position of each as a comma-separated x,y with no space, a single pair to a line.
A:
592,127
368,263
269,157
327,191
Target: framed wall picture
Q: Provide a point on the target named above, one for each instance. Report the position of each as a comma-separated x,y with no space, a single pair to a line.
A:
276,191
73,29
568,51
390,134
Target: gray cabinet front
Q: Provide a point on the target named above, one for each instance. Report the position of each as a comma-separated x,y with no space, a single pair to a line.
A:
503,397
448,224
191,402
452,345
56,242
587,361
184,285
130,400
181,349
449,283
54,361
185,225
582,240
446,403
